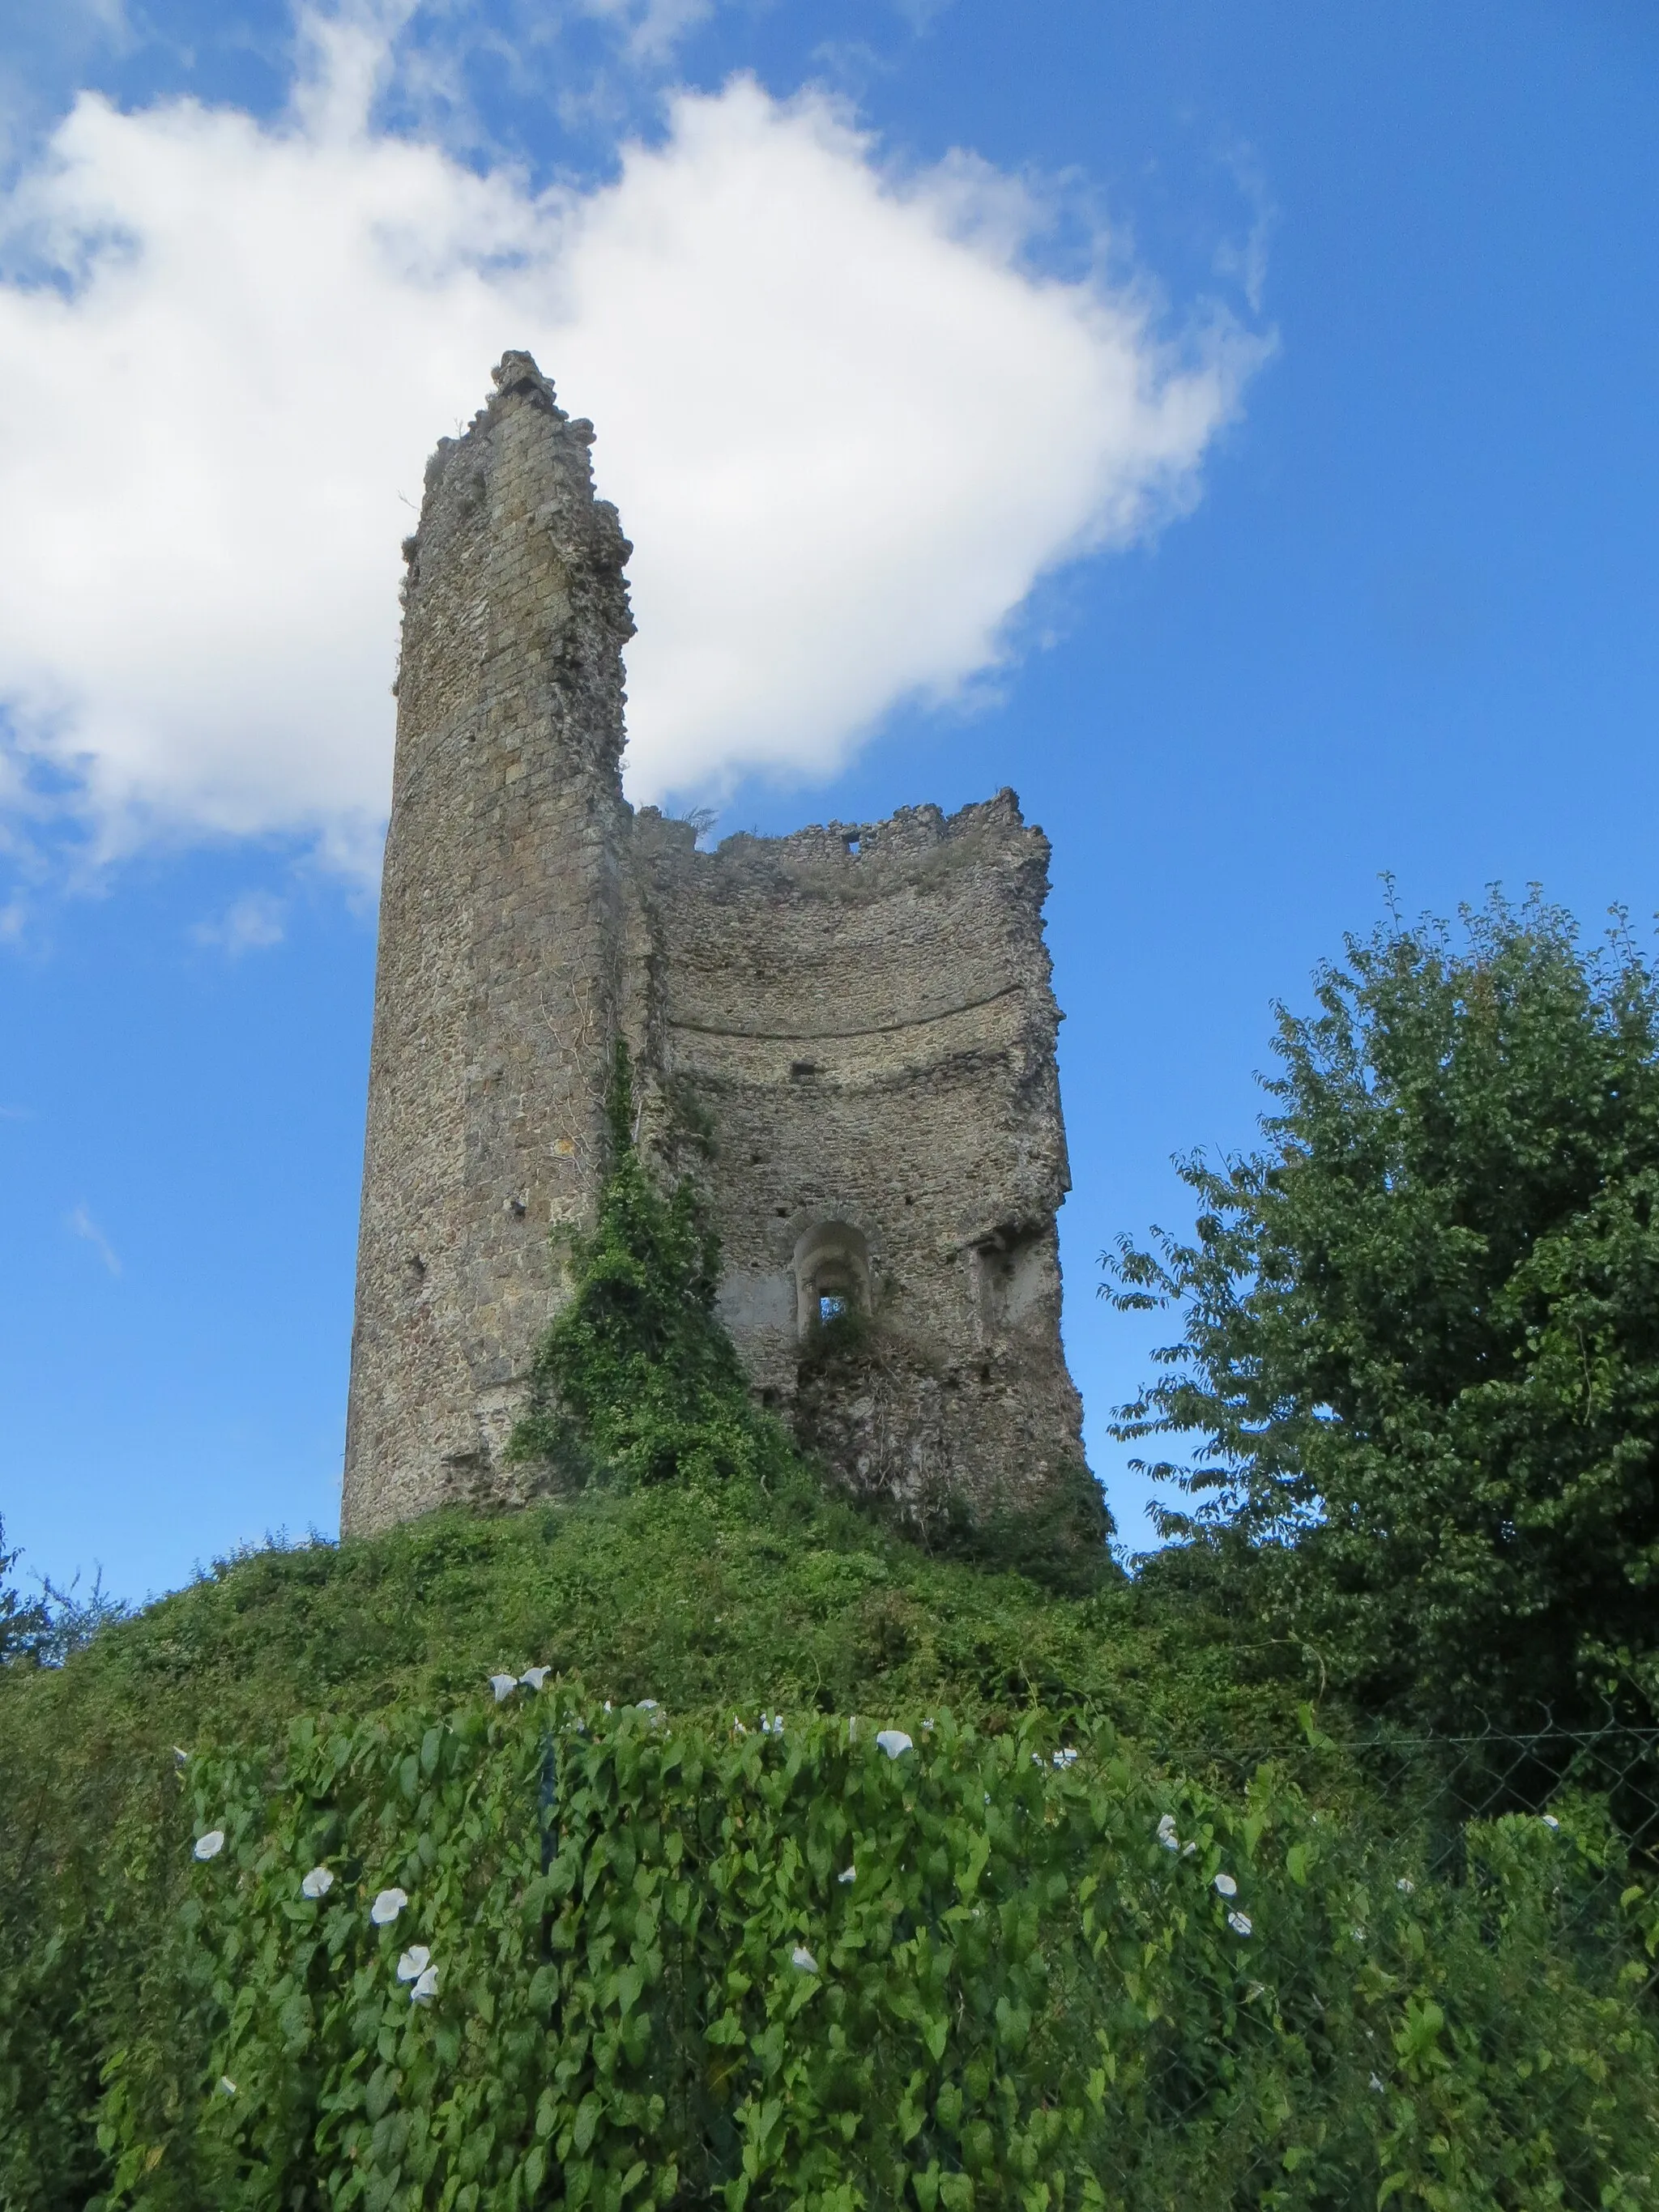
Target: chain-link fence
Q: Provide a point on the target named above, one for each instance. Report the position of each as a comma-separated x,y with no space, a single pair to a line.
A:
1458,1996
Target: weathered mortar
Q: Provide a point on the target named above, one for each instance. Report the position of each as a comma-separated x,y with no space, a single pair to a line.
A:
847,1035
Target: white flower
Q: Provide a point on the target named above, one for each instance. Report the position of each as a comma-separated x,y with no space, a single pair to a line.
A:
1241,1924
533,1677
1550,1820
179,1753
1225,1886
1405,1885
426,1988
210,1845
893,1741
1067,1758
1358,1934
847,1874
1188,1850
646,1705
414,1963
738,1728
1377,2085
387,1905
1166,1833
318,1882
801,1957
226,2087
503,1686
607,1704
926,1725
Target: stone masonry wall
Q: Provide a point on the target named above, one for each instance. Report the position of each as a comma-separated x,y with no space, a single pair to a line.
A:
496,995
860,1022
847,1035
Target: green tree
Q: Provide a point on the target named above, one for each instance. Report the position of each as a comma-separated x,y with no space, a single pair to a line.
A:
1420,1337
23,1623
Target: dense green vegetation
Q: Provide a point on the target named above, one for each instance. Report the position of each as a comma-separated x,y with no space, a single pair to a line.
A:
1421,1329
298,1908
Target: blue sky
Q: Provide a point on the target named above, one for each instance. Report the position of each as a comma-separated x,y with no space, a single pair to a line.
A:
1382,597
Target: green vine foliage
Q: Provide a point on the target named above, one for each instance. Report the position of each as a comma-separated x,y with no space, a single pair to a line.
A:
636,1376
768,1964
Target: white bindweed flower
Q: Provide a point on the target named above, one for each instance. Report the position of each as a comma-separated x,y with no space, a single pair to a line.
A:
1241,1924
387,1905
226,2087
426,1988
607,1704
847,1874
893,1741
414,1963
928,1724
318,1882
646,1705
1188,1850
1376,2084
1550,1820
210,1845
802,1957
1225,1886
1405,1885
1166,1832
1066,1758
181,1755
738,1728
503,1686
533,1677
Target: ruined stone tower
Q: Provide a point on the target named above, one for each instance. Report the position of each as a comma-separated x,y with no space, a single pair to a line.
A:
847,1035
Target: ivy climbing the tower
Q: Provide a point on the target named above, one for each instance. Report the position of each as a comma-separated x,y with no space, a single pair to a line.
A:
635,1376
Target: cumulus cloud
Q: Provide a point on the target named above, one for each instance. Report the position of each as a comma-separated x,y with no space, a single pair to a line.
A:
847,425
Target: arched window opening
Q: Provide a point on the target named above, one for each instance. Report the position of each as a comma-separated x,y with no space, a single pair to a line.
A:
832,1275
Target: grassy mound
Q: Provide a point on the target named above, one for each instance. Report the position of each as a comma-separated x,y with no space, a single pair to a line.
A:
725,1600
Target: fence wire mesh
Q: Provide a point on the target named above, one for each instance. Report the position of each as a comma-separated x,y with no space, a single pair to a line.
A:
1460,2012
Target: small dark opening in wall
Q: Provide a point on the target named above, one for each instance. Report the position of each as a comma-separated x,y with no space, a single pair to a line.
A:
831,1307
908,1201
797,1068
779,1211
985,1372
769,1397
855,847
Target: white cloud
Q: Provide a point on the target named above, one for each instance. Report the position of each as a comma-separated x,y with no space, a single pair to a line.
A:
847,426
249,924
81,1224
